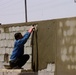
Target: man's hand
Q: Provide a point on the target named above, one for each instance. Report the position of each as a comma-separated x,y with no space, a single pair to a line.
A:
31,29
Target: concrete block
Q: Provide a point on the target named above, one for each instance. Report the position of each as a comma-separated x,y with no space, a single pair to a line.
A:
27,27
22,28
28,73
10,72
42,73
2,50
27,66
7,50
1,43
23,32
10,50
2,35
2,30
53,68
1,57
13,29
17,28
45,73
25,50
9,43
7,36
10,29
28,43
11,35
49,67
28,50
5,43
12,43
30,60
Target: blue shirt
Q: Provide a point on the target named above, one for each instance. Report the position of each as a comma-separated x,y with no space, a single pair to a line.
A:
18,50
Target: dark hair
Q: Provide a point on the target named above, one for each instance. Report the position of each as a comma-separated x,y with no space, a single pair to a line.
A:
16,35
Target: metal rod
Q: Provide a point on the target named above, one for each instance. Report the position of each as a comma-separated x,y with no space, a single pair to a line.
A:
25,11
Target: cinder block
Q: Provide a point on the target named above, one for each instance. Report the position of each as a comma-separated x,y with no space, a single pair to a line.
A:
27,27
1,57
9,43
10,29
30,60
49,67
25,50
2,30
12,43
1,43
2,50
28,43
21,28
5,43
23,32
17,28
7,50
11,35
53,68
27,66
2,35
7,36
10,50
28,50
13,29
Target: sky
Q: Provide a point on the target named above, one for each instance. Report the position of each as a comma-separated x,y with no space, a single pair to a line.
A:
13,11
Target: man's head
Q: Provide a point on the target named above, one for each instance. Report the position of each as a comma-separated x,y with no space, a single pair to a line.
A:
18,36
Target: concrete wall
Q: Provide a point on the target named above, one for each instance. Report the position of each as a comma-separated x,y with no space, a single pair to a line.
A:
7,43
66,47
53,43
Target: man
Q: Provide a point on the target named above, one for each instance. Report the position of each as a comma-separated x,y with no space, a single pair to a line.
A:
18,58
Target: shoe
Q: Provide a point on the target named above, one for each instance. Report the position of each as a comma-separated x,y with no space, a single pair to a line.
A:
17,67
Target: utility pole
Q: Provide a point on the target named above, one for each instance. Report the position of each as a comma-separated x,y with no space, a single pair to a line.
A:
25,10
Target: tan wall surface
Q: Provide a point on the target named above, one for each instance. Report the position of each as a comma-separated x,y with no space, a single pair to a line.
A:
55,41
46,43
66,47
